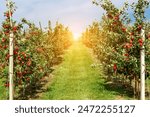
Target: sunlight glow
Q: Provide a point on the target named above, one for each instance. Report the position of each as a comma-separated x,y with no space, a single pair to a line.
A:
76,36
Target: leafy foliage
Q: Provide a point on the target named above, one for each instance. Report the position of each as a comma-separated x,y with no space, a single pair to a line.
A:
117,42
35,51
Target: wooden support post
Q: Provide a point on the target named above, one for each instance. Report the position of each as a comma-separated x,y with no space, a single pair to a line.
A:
142,59
11,62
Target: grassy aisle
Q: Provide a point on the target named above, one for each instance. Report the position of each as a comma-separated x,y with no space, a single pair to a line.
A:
76,79
3,92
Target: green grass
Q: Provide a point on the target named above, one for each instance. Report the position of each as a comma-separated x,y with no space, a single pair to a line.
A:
3,92
75,79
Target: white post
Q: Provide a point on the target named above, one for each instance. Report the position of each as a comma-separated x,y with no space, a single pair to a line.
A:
142,53
11,47
11,91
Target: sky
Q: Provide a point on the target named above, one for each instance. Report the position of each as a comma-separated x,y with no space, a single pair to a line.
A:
76,14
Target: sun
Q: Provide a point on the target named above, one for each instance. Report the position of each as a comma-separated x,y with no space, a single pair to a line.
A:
76,36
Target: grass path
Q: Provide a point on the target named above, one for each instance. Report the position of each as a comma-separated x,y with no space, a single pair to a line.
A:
76,79
3,92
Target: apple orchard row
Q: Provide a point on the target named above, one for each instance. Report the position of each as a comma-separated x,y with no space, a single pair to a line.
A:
116,41
35,50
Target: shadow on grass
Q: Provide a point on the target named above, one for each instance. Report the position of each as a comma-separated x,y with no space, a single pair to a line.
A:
120,89
34,91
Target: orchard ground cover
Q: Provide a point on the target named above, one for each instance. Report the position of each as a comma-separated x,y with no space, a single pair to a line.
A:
3,92
79,77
